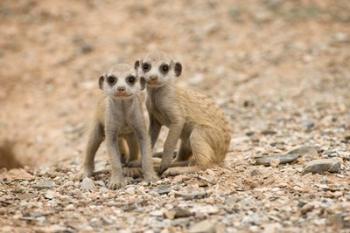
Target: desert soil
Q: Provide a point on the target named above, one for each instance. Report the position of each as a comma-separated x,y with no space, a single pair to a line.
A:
278,68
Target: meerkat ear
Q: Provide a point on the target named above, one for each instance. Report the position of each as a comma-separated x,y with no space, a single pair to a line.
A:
143,83
137,64
178,69
100,82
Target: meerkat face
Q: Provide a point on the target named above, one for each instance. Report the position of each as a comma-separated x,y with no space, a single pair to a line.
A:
122,82
157,72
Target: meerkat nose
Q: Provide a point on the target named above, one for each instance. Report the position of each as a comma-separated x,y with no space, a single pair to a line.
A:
153,77
121,89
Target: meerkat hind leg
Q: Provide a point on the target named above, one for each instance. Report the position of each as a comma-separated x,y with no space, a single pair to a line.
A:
174,171
185,151
134,172
202,156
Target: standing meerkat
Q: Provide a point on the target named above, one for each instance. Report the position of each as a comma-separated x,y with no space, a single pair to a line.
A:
118,117
190,116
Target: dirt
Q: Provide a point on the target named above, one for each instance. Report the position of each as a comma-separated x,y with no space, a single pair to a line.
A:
279,69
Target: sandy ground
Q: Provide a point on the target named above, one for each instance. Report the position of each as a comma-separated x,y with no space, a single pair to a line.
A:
279,69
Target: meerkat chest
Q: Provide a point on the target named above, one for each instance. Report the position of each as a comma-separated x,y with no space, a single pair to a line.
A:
162,105
159,114
120,120
125,130
125,124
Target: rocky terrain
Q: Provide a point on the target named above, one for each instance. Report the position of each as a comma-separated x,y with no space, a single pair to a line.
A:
279,69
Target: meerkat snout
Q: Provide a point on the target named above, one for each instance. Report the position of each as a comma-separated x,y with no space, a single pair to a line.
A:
153,78
121,89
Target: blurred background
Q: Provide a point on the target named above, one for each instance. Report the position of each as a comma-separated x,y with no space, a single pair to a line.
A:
272,65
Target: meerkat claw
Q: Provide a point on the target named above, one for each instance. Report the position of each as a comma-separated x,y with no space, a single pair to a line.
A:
151,178
116,183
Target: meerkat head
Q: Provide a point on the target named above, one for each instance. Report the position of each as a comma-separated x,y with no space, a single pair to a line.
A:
157,69
121,82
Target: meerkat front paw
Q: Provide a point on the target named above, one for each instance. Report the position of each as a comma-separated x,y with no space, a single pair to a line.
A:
164,165
151,178
87,184
134,172
116,182
170,172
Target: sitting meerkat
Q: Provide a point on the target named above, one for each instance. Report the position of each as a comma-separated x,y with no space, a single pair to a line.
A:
190,116
119,118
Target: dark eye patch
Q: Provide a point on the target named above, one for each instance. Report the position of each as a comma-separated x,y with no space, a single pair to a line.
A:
164,68
111,80
131,79
146,67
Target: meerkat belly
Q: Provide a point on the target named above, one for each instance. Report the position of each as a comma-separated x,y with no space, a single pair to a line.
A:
125,130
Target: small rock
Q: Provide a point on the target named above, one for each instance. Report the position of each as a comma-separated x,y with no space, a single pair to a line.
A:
86,48
206,226
268,132
44,184
272,228
339,220
341,37
205,209
163,189
16,174
322,165
347,138
305,151
248,103
178,212
193,195
170,214
252,219
182,213
308,125
307,208
331,153
156,213
180,222
49,195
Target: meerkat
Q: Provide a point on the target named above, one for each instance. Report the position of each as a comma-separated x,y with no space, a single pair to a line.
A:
190,116
118,119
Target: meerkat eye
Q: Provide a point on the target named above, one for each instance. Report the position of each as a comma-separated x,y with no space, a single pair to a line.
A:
146,67
111,80
164,68
131,79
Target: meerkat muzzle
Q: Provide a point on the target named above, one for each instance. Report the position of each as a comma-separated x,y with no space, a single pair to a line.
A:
122,94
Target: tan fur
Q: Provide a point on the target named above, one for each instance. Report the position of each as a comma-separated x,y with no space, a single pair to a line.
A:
191,117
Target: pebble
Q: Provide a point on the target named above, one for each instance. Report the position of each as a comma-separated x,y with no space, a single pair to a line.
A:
163,189
252,219
44,184
193,195
305,151
50,194
178,212
322,165
206,226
